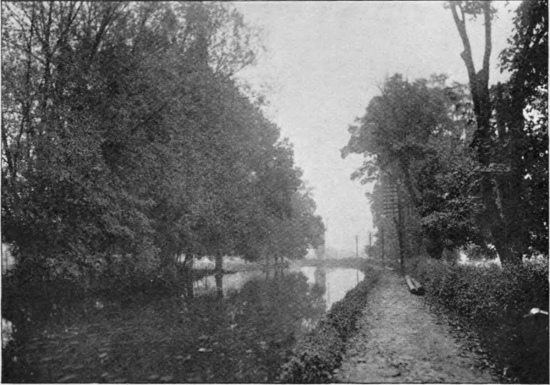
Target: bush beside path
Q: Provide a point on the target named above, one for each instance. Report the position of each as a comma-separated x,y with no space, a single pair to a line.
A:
399,340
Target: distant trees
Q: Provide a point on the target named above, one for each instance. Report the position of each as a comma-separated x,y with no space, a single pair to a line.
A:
125,136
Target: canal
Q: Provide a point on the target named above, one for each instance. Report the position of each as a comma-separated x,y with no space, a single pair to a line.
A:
239,327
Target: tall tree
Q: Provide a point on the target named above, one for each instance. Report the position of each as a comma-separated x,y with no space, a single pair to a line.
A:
414,137
498,144
62,191
521,110
125,136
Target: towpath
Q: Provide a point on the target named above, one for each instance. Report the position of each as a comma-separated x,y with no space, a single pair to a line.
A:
399,340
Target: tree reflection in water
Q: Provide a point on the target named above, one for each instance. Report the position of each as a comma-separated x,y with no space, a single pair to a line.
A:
320,277
261,324
225,334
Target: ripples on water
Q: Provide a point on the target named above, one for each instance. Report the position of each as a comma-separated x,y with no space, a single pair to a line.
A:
238,328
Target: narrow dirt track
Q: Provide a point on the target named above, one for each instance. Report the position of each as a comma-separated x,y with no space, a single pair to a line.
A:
399,340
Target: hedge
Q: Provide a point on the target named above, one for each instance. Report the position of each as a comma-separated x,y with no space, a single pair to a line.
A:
494,302
320,352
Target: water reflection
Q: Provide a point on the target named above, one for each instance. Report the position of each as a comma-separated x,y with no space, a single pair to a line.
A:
226,283
234,328
248,334
332,283
320,279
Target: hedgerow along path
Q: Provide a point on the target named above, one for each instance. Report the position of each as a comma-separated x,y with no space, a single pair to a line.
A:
399,340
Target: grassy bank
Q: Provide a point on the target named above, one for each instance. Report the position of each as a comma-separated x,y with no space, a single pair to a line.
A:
317,355
493,302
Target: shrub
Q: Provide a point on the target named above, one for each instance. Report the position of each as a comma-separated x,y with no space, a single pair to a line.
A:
320,352
494,301
317,355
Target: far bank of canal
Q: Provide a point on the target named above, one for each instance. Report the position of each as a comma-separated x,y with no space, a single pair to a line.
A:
239,327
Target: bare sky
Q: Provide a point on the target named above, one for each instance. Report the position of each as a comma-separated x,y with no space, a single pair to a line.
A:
326,60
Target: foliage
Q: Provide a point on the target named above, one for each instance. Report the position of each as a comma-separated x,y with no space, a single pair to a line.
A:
478,253
470,166
415,137
318,357
302,224
320,352
521,106
527,54
126,142
509,143
495,300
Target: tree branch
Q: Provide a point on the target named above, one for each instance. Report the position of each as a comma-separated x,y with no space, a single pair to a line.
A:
488,44
461,27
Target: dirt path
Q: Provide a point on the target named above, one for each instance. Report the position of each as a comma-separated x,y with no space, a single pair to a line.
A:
399,340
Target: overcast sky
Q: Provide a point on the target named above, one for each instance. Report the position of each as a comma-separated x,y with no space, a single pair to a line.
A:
324,63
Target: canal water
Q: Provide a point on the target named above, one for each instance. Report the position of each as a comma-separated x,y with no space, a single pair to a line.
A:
334,282
238,327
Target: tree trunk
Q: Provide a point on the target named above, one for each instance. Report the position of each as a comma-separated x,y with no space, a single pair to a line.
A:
400,235
507,246
219,262
495,199
219,284
188,277
189,261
